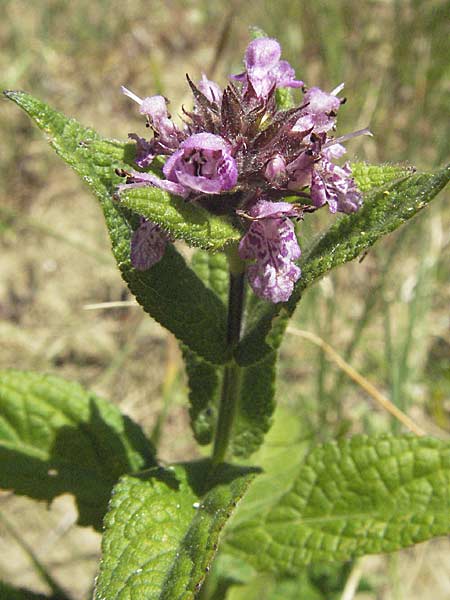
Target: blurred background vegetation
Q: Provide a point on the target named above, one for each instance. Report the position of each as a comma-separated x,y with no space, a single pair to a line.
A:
388,315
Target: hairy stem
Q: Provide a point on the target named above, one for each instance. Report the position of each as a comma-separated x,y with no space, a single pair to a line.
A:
232,372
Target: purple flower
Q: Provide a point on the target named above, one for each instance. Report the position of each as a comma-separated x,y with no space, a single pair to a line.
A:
335,186
239,147
275,171
272,244
203,164
320,113
145,151
155,109
210,89
264,69
148,245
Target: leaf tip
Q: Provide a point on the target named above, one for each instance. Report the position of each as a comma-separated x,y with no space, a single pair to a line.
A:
13,94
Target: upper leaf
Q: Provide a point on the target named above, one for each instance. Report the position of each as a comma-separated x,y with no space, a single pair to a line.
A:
255,407
383,211
57,438
359,496
162,530
213,271
204,382
183,220
369,176
204,379
170,292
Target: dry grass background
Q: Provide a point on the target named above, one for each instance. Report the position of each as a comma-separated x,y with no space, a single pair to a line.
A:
388,315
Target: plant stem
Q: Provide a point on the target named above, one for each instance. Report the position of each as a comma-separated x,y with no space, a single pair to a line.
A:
232,371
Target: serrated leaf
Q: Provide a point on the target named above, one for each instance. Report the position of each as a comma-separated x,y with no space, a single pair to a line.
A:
56,438
162,530
204,382
256,406
383,211
366,495
204,379
213,271
170,292
369,176
183,220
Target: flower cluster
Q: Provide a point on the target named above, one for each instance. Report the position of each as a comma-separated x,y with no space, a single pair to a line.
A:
238,150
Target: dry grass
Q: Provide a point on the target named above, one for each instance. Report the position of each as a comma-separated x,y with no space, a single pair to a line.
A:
75,55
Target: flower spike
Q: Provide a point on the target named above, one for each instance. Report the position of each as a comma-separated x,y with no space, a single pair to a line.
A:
238,154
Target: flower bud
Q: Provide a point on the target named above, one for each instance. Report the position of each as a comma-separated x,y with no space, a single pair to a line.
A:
275,171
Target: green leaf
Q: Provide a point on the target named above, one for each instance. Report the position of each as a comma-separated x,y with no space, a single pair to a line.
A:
204,382
213,271
383,211
256,406
162,530
360,496
56,438
170,292
369,176
204,379
183,220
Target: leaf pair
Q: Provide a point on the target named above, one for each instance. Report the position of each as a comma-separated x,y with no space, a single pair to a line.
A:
256,401
163,524
192,304
364,495
170,292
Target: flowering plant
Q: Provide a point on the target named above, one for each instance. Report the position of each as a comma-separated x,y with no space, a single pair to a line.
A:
235,180
239,145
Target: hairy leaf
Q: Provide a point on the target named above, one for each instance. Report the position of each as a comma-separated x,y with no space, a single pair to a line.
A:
183,220
213,271
369,176
359,496
383,211
256,406
162,530
170,292
204,382
55,438
204,379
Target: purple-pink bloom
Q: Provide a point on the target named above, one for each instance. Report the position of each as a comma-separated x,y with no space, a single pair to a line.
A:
271,242
241,147
148,245
145,152
210,89
202,164
275,171
264,69
320,113
335,186
155,109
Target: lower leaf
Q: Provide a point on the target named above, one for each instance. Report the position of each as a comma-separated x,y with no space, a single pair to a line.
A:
56,438
366,495
162,530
